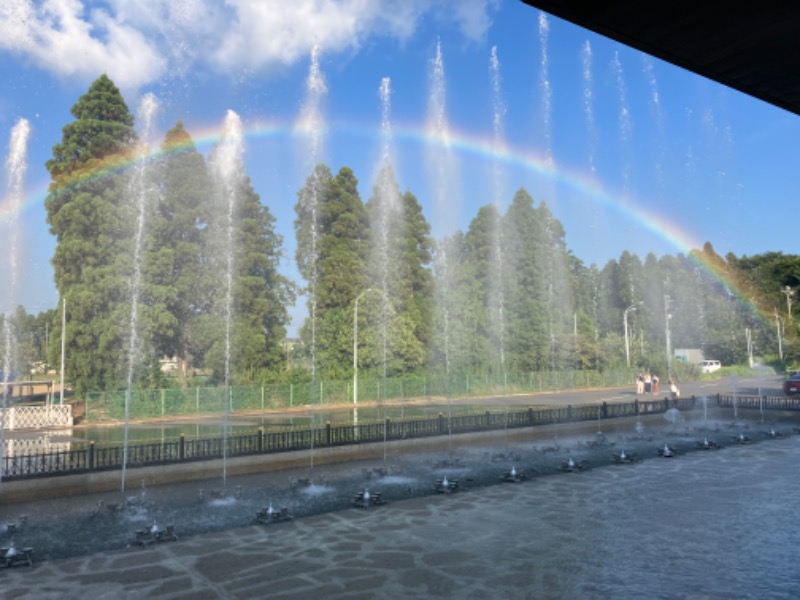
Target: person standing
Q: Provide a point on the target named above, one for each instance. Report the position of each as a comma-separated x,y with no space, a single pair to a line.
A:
654,383
648,381
640,385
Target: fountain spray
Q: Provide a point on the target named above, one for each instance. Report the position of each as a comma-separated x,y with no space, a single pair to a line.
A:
139,192
311,121
16,166
498,118
226,168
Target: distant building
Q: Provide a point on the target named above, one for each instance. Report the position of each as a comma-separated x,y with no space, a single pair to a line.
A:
169,365
689,355
296,353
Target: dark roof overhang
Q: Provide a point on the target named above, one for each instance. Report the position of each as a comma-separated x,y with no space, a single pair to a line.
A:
753,47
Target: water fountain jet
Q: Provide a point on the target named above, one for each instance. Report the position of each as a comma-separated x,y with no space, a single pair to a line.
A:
365,499
226,165
140,196
270,515
446,485
514,475
625,458
497,299
16,167
312,122
11,556
707,444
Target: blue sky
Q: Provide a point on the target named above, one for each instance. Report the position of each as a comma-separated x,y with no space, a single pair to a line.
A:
630,153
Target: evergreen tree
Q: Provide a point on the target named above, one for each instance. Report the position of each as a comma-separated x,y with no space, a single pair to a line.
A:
461,344
399,269
584,282
646,321
88,213
342,244
609,315
725,296
259,294
528,306
777,277
412,289
307,231
27,342
639,288
178,279
553,259
481,254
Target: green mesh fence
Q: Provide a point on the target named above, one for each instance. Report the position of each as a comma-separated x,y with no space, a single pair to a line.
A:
171,402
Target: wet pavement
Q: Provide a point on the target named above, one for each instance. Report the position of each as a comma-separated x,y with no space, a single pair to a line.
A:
417,548
661,528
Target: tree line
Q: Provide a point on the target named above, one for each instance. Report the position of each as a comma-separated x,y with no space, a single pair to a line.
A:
506,295
181,291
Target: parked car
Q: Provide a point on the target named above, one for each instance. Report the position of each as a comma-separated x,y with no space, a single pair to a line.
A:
709,366
792,384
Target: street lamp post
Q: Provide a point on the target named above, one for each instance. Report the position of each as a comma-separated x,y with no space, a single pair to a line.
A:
63,346
778,328
355,358
631,308
667,317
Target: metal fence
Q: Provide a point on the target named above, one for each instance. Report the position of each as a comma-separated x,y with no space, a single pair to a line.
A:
204,400
91,458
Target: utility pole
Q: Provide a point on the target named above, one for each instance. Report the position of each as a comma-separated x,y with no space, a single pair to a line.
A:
789,293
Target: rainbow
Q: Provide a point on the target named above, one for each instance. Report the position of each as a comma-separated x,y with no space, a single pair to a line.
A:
465,144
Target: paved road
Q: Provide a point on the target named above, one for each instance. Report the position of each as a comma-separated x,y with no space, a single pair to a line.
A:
770,386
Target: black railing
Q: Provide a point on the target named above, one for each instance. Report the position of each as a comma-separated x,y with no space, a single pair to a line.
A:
92,458
758,402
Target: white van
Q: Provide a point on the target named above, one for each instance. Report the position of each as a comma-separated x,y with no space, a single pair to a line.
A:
709,366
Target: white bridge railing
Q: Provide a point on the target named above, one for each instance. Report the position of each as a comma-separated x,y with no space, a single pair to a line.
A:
35,417
42,443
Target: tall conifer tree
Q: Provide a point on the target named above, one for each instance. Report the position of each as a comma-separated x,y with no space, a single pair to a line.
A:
259,294
342,245
479,242
179,280
459,310
88,213
400,260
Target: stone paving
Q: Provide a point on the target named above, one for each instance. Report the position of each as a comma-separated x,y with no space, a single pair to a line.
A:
560,536
417,548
